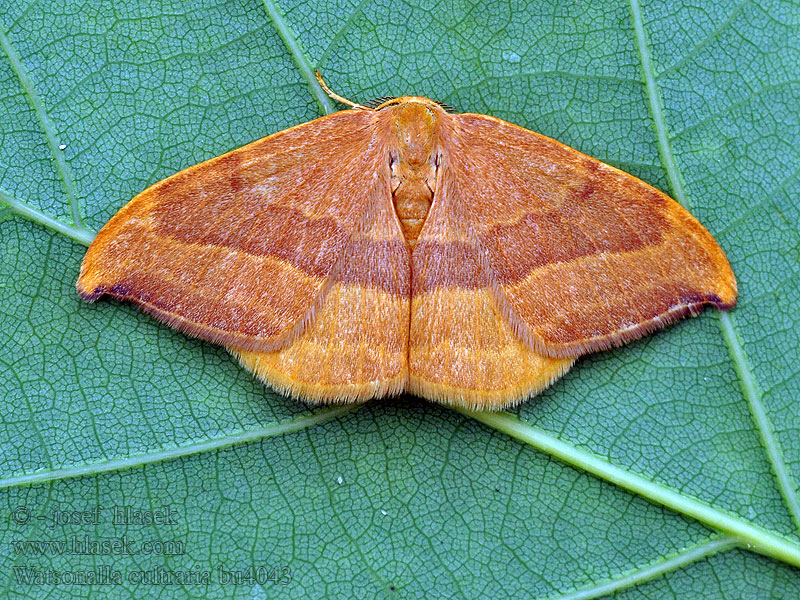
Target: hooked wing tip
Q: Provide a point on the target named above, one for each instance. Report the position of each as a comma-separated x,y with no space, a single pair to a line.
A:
89,294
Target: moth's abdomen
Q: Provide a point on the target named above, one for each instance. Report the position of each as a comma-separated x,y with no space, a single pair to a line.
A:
412,201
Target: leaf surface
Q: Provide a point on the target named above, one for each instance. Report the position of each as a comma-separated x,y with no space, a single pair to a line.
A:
400,498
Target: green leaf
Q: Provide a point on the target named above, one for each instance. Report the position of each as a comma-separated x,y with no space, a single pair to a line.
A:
667,468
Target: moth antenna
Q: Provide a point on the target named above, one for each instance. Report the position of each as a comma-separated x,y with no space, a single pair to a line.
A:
335,96
376,102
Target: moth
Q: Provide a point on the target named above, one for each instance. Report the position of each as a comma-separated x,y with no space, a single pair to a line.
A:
405,248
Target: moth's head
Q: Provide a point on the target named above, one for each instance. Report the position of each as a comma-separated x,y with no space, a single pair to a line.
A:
417,123
409,100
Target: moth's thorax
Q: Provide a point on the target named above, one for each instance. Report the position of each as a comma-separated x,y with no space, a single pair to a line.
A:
413,159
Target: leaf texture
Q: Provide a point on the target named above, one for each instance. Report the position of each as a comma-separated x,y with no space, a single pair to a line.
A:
103,406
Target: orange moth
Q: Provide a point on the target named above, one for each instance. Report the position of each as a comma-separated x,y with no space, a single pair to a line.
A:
403,248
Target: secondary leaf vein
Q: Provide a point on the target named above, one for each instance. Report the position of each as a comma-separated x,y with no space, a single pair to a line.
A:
119,464
654,570
47,126
300,59
79,234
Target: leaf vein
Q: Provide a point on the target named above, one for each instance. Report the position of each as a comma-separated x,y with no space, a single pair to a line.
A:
208,445
713,35
757,538
656,569
47,126
299,57
676,135
342,30
79,234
